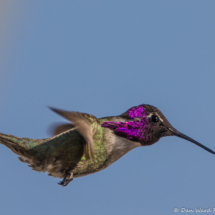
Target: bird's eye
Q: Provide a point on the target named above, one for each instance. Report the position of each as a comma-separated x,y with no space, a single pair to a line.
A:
155,118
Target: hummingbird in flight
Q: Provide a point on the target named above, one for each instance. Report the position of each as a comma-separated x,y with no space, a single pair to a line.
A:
88,144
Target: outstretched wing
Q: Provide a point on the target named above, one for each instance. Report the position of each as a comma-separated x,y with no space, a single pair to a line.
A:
83,123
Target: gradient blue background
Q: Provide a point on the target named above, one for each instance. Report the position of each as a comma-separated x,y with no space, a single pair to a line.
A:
103,57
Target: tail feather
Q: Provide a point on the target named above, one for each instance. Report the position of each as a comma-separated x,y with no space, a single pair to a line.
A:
15,144
24,148
21,147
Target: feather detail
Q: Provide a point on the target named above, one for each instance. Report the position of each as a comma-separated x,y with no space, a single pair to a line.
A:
84,127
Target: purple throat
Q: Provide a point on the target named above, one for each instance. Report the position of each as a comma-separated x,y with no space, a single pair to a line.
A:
133,130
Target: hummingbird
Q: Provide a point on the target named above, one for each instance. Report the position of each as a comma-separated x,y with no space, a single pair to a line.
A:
88,144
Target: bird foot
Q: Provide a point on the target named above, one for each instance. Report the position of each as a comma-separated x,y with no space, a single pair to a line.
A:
68,177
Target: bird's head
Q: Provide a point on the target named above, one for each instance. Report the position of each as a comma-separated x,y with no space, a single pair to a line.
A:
146,124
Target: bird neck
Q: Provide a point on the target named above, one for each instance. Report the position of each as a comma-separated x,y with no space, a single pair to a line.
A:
116,146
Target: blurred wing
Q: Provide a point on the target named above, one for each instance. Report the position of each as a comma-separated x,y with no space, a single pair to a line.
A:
84,126
58,128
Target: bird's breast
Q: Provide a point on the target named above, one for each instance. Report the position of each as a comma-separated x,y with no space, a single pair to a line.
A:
109,148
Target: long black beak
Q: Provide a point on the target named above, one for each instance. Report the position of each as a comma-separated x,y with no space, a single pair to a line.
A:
179,134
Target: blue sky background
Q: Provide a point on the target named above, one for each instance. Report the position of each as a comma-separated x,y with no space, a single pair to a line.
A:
103,57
